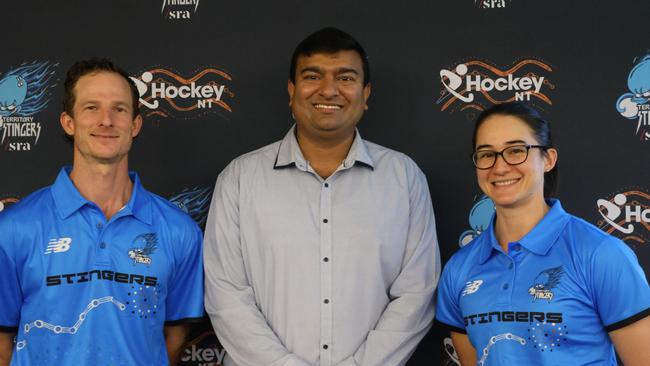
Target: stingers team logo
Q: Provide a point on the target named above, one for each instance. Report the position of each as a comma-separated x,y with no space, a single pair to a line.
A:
24,92
142,254
474,85
635,104
545,282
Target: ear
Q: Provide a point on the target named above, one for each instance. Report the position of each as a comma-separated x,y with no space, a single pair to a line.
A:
137,125
67,122
550,159
366,93
291,89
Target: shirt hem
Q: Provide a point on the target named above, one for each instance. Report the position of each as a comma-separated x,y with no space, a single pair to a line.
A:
628,321
184,321
451,327
4,329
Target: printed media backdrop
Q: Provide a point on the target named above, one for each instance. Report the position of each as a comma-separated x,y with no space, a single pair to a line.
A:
212,80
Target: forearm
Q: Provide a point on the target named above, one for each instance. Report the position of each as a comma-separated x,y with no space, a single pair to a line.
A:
632,342
403,324
175,336
6,347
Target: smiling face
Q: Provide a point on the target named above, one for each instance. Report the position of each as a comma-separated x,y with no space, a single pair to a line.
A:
512,186
328,97
102,123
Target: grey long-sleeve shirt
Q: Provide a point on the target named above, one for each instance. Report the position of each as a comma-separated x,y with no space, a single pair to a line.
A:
302,270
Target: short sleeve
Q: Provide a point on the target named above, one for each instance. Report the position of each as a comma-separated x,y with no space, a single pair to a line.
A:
185,296
619,287
447,308
11,297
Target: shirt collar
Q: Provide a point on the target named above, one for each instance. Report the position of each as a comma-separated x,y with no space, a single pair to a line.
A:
539,240
68,200
289,153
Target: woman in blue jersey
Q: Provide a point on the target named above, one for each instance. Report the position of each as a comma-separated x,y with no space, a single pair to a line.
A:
539,286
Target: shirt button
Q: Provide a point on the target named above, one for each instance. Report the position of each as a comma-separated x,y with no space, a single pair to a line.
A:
325,346
99,226
327,301
326,259
325,221
505,286
517,247
102,245
327,185
510,265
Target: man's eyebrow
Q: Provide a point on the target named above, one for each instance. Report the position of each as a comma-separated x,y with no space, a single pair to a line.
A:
343,70
311,69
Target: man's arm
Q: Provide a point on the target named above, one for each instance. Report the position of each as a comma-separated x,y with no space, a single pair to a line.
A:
175,336
229,298
6,347
632,342
408,316
464,349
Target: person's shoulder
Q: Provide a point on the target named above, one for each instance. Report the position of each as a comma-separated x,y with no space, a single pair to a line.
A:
468,256
587,242
29,207
387,158
377,151
266,153
586,235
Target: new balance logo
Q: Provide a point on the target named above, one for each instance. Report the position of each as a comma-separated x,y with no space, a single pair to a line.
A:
471,287
59,245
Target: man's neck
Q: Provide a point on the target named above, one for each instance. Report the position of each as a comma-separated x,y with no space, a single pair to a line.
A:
325,155
512,224
107,185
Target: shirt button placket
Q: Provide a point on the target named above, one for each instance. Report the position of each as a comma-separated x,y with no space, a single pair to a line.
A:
326,274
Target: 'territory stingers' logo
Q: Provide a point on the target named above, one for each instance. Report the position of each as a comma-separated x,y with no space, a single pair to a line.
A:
24,92
635,104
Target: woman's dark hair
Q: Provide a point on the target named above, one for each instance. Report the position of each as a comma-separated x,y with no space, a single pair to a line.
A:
540,127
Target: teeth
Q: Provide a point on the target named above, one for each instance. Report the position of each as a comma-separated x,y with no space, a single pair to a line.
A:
327,106
505,182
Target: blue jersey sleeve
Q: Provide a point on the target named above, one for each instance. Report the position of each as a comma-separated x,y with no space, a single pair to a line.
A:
619,287
448,308
11,297
185,296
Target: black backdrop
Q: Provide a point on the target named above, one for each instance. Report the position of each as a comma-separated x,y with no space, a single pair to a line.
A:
585,51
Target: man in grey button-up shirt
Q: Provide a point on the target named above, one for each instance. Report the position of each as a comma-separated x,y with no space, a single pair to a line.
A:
321,249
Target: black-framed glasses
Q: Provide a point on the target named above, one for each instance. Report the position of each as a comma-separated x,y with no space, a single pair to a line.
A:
512,155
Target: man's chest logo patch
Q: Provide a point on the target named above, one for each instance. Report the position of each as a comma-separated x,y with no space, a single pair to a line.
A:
545,282
145,245
471,287
58,245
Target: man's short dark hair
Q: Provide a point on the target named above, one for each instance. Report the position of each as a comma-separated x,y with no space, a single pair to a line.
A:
329,40
91,66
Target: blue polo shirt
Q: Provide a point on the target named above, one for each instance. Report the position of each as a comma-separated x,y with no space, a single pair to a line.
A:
80,290
550,301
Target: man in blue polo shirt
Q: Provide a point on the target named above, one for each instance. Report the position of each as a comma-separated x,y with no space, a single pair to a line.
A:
95,269
551,300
